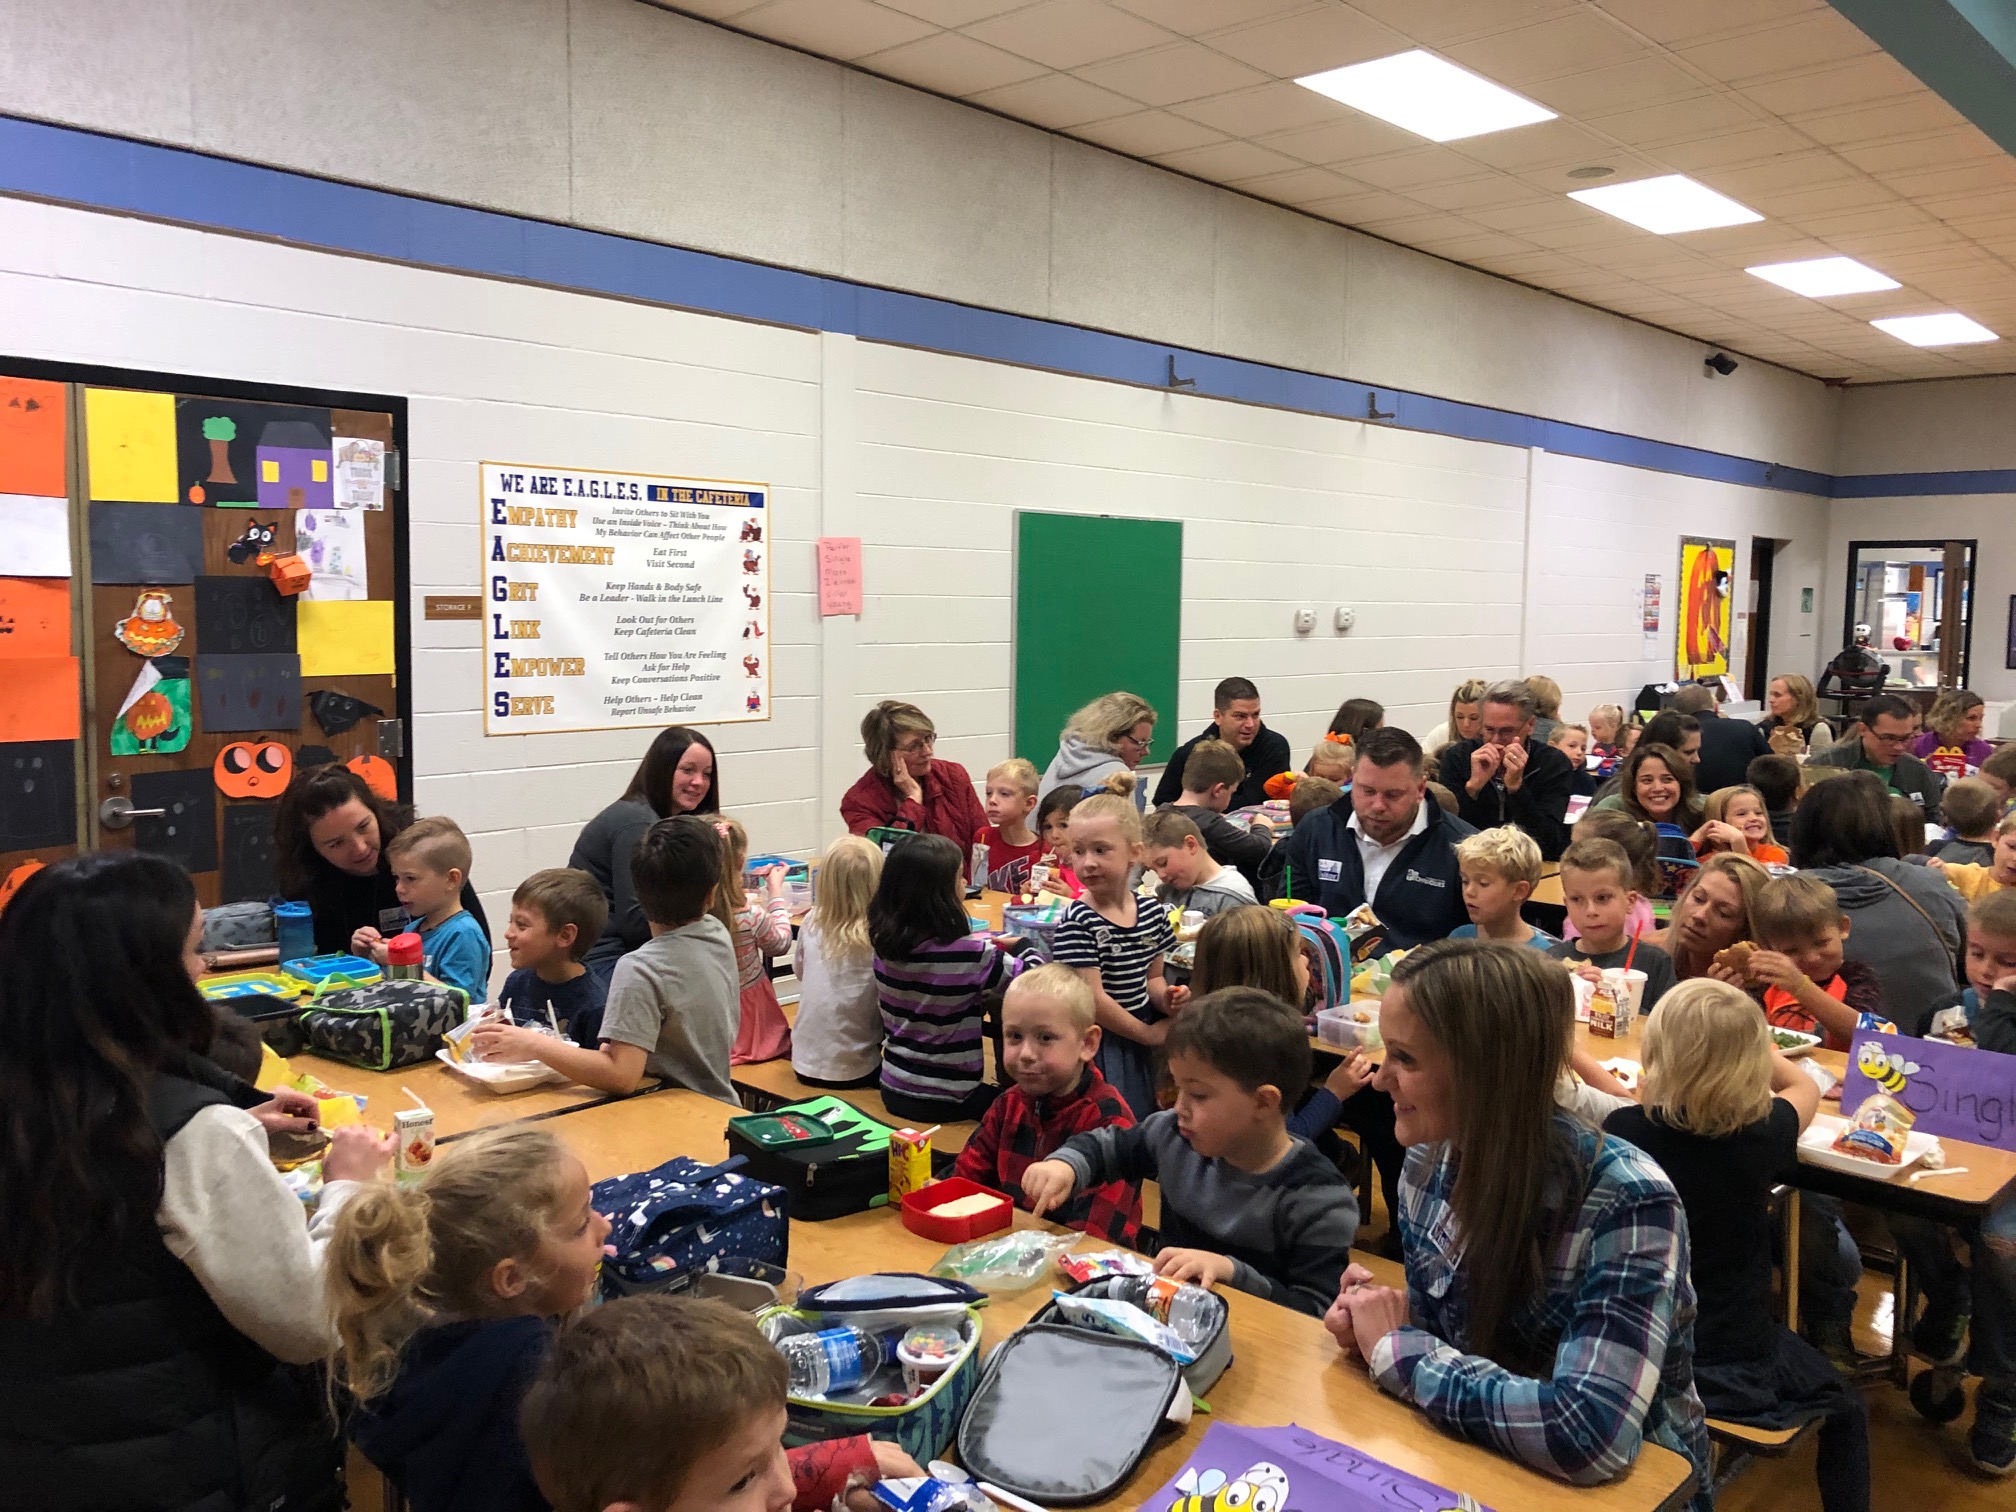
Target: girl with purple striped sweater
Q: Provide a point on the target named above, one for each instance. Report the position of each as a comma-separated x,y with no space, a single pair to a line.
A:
934,980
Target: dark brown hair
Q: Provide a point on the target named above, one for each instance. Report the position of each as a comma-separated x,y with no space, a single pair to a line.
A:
1357,717
652,781
1251,946
675,869
1687,812
563,895
1502,1015
1249,1035
312,794
1843,822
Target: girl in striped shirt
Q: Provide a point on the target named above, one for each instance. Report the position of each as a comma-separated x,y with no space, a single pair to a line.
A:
933,978
1117,941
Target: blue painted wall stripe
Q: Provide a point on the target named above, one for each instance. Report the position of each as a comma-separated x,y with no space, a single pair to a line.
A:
173,184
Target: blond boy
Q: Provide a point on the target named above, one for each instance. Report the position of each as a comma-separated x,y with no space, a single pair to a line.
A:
1048,1039
1005,850
1189,877
1974,881
430,862
1500,868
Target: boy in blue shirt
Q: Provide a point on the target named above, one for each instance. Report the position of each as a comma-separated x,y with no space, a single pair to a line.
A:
556,915
430,862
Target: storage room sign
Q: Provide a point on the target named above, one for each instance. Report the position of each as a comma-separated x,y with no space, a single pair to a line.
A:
618,600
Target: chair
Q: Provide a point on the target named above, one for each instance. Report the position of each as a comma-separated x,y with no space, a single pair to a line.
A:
1735,1445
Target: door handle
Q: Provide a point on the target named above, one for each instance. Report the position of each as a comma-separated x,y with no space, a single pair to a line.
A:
117,813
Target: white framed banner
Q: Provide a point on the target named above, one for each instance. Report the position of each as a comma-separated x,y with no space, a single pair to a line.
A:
616,600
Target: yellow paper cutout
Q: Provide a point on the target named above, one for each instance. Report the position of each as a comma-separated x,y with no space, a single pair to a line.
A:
130,441
318,469
269,471
345,638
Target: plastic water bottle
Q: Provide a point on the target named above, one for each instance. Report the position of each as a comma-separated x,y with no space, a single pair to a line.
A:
833,1359
296,926
1189,1310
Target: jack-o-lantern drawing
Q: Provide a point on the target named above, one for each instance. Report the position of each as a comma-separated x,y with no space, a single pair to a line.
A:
253,769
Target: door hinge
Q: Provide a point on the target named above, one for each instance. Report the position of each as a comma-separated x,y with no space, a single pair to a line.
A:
392,739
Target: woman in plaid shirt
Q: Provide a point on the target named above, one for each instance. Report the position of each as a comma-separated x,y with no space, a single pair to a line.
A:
1574,1343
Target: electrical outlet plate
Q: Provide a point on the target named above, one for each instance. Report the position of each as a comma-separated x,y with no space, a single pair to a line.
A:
1346,618
1305,621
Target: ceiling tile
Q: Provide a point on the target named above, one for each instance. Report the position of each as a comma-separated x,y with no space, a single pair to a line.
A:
1349,137
1190,18
1267,108
1309,42
1427,165
714,10
1864,81
1492,191
1542,210
1964,183
1148,133
1792,170
1408,229
1056,100
951,64
1749,145
1854,222
954,12
1942,150
1824,37
1819,199
1665,21
843,29
1579,40
1678,121
1437,21
1478,248
1543,145
1228,162
1622,86
1908,116
1357,209
1301,186
1170,75
1069,33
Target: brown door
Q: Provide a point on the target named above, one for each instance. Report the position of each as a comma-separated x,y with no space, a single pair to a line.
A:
231,623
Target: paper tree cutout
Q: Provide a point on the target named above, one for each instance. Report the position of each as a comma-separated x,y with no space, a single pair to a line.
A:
220,431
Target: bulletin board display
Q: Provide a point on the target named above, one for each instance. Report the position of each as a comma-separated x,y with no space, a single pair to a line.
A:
206,593
1098,609
619,600
1701,629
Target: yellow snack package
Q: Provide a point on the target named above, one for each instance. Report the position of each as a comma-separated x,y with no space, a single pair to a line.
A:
909,1163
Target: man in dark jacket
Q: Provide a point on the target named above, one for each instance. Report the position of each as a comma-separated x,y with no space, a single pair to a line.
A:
1235,715
1888,726
1387,844
1508,777
1728,746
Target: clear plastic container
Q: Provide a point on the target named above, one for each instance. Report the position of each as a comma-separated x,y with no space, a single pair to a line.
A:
295,925
833,1359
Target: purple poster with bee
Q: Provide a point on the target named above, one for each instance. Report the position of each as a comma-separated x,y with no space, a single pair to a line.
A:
1275,1469
1956,1091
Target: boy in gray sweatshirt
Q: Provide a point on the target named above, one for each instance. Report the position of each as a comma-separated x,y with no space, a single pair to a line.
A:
1244,1202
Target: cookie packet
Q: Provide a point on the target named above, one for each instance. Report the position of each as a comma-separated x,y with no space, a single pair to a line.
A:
1878,1130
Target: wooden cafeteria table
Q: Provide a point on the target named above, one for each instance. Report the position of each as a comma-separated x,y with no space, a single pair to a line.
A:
459,1107
1287,1369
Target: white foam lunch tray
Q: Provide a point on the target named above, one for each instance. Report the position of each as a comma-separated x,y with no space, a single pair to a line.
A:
1816,1147
500,1076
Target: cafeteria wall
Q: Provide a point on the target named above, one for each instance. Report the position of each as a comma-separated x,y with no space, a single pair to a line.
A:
1955,425
623,117
926,457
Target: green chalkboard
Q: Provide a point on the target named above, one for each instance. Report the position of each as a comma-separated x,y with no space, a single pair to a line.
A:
1098,607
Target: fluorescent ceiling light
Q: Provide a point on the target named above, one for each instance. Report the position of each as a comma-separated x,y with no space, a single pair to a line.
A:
1667,204
1428,96
1824,277
1946,329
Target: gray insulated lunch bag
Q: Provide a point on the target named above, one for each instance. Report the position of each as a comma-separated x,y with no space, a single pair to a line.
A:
385,1025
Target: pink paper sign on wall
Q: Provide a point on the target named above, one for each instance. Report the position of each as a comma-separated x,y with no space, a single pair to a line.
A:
839,575
1957,1092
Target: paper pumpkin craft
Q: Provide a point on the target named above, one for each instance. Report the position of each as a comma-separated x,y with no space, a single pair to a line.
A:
337,712
154,720
253,769
295,468
14,879
151,629
377,774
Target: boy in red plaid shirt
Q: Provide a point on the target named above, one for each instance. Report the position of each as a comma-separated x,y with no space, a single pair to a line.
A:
1048,1041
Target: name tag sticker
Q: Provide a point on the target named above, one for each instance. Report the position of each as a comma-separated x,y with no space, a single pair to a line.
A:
1329,871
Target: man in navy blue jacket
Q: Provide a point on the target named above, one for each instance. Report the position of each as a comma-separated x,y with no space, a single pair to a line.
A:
1387,843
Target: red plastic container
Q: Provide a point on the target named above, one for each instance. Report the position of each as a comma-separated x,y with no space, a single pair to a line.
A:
919,1218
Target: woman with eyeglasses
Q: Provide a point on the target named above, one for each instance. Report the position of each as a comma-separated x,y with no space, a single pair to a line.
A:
1110,735
906,786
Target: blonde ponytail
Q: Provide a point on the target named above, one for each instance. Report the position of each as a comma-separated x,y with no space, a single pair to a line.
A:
1121,784
403,1258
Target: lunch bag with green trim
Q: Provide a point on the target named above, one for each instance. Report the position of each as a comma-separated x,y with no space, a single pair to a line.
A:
384,1025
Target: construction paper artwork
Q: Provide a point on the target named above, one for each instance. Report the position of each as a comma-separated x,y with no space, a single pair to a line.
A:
151,629
38,795
217,445
144,543
129,442
242,616
34,617
155,718
37,533
250,853
249,692
31,437
43,699
186,830
295,468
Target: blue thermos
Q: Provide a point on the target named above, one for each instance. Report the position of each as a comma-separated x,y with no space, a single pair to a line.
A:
296,924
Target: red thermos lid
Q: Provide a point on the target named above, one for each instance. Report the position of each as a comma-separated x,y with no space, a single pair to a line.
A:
403,950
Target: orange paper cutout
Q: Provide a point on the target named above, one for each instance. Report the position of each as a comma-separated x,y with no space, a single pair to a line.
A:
42,699
34,617
15,878
31,437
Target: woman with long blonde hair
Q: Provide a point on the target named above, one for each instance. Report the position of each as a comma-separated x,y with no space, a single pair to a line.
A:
1113,733
1547,1304
836,1040
1466,717
1721,1112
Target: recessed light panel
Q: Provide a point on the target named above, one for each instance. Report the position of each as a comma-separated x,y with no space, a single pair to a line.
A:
1428,96
1824,277
1666,205
1945,329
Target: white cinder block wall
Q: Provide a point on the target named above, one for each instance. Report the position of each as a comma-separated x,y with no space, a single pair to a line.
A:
926,457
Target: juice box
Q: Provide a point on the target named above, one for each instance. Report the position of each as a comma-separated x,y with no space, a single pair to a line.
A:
909,1163
413,1142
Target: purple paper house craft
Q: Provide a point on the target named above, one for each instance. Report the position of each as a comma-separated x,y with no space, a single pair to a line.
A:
294,467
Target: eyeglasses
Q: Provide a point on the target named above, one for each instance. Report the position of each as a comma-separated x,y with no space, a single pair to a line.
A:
915,744
1882,739
1129,739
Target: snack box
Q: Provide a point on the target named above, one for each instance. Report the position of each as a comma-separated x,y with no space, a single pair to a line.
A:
316,970
1346,1026
229,986
921,1218
1816,1147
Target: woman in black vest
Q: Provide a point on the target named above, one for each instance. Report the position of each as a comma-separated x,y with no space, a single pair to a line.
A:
154,1269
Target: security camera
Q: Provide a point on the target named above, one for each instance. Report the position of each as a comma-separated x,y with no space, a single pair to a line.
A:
1719,364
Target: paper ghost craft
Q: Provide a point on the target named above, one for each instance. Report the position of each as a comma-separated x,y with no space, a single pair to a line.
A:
253,769
337,712
151,630
377,774
255,543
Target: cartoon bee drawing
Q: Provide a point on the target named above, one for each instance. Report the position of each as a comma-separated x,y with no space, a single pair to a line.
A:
1262,1488
1890,1072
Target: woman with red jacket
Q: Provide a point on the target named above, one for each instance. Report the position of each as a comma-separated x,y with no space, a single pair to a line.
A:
905,786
